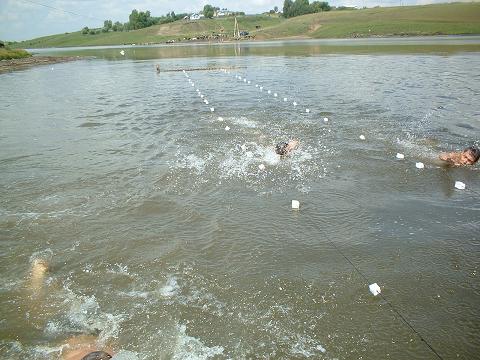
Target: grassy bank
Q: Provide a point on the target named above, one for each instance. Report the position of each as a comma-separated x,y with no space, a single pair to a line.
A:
439,19
7,54
445,19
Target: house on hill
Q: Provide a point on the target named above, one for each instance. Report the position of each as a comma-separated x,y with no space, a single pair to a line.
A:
222,13
196,16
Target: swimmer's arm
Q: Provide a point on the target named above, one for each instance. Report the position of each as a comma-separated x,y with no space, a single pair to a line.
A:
450,157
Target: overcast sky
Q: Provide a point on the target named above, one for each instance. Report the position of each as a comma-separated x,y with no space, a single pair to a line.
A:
26,19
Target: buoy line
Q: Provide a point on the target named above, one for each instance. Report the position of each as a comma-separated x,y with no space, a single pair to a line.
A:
393,307
202,96
260,87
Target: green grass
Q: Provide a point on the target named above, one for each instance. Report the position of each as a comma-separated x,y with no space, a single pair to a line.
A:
7,54
155,34
448,19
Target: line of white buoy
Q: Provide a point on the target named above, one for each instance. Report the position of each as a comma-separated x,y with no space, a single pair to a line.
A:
204,99
260,87
199,93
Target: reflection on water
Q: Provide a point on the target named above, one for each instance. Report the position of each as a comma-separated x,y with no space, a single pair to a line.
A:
131,217
437,45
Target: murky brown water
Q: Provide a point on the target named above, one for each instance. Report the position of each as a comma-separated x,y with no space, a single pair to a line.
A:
165,240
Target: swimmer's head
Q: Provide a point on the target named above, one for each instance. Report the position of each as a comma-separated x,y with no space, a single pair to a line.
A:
281,148
470,155
97,355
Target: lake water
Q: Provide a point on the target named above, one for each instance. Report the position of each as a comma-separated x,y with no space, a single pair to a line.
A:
165,240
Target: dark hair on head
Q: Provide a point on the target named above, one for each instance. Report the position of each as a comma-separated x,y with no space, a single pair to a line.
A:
281,148
97,355
475,151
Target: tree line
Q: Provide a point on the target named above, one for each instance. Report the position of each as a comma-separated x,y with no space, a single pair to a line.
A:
302,7
136,20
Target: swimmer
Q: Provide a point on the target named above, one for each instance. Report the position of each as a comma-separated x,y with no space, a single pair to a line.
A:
284,148
469,156
158,68
84,347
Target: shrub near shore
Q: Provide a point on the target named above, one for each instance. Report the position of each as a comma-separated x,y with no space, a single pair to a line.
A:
6,53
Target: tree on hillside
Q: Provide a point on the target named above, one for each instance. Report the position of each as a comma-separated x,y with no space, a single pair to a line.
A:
107,25
287,7
208,11
302,7
118,26
275,9
85,30
140,20
319,6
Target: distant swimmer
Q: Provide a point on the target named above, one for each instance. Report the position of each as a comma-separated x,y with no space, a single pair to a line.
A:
469,156
284,148
84,347
158,68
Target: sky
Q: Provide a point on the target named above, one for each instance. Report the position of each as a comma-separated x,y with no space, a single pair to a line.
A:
27,19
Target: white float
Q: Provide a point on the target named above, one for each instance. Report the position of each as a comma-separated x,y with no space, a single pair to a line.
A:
362,137
459,185
325,119
419,165
400,156
285,99
295,204
212,109
307,110
374,289
261,167
227,128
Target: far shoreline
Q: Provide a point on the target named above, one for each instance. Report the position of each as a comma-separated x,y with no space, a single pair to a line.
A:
247,41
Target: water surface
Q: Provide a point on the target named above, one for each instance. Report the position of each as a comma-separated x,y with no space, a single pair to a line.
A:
164,239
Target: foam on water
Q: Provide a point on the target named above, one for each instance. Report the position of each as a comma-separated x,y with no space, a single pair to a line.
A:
171,287
193,162
119,269
243,121
83,314
307,347
414,148
126,355
190,348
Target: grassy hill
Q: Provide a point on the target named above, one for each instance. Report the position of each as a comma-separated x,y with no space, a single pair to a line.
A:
445,19
451,19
